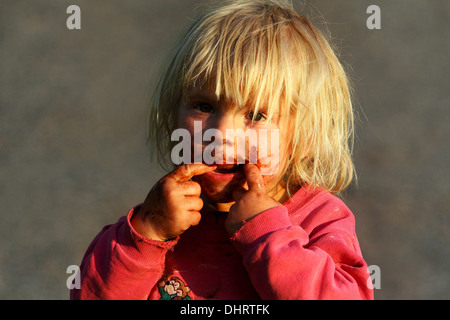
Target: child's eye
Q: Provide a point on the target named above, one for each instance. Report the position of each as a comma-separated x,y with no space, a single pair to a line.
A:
204,107
259,117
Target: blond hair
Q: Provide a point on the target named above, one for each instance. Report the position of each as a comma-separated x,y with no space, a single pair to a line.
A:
266,54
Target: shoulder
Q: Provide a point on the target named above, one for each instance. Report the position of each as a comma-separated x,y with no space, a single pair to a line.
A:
318,211
307,200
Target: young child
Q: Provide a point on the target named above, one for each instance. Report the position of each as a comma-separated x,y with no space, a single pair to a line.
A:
226,230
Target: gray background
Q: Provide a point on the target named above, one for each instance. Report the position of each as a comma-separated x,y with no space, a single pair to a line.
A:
73,118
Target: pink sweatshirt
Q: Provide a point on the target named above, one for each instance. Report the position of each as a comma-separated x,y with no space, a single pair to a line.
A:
305,249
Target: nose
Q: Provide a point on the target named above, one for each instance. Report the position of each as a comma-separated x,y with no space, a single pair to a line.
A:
226,149
224,121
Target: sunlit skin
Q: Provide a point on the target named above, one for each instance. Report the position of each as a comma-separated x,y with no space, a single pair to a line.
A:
174,203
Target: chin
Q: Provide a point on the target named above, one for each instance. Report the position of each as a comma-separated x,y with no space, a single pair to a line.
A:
217,189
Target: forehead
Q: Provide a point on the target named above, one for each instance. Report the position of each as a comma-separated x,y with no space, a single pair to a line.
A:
243,82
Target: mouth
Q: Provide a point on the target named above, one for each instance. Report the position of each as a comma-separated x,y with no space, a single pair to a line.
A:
226,172
228,168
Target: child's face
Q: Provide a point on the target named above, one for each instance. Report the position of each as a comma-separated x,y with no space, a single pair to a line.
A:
268,151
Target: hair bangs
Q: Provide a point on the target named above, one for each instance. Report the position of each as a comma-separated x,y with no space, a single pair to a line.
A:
245,60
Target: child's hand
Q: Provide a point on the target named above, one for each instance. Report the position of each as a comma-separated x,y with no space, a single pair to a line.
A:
173,205
251,202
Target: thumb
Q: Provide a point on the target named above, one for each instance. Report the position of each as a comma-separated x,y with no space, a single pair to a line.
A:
254,177
238,193
187,171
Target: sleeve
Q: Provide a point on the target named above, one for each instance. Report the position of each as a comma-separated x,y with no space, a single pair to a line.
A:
120,264
285,262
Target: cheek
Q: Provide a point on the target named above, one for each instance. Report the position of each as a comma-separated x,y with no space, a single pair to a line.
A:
275,164
186,122
186,119
271,152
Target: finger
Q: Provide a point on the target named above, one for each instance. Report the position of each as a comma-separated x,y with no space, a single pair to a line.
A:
238,193
254,177
191,188
193,203
187,171
195,217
